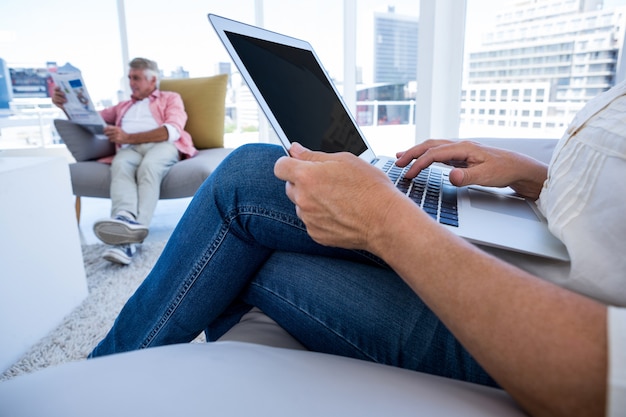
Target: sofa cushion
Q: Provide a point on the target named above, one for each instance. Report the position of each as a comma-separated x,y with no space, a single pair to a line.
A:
93,179
256,327
82,144
204,99
241,379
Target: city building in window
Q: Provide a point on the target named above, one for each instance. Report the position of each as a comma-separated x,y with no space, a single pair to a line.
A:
395,47
539,64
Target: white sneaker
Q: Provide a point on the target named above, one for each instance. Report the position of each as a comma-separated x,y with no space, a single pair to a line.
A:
120,230
120,254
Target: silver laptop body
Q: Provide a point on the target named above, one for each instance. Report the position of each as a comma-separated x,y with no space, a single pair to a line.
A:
301,103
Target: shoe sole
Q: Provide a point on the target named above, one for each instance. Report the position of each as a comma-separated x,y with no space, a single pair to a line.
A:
114,233
116,258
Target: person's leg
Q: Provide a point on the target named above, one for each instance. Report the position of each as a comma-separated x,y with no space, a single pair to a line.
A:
238,217
357,310
157,160
122,230
216,265
123,181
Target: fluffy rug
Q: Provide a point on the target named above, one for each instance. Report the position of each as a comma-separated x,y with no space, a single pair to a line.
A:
109,285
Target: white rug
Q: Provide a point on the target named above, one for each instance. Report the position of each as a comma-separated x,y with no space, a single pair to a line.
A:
109,285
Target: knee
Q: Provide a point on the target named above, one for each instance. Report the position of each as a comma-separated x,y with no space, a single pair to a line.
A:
123,162
251,162
151,170
256,152
247,172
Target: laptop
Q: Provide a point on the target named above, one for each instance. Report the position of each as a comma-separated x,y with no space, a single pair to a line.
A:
301,104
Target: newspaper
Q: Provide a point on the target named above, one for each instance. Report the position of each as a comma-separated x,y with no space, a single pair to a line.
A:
79,107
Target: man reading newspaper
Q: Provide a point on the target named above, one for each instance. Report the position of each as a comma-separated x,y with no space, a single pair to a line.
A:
149,137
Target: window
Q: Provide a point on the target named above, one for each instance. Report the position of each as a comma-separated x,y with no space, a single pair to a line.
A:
386,59
528,54
546,53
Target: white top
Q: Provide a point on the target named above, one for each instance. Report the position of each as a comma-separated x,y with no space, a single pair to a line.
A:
584,202
139,118
584,199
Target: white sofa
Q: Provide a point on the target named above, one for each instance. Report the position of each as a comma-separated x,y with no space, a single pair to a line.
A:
255,369
242,379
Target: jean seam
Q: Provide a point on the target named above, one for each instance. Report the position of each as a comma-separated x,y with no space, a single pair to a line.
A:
314,318
285,218
199,266
296,222
181,293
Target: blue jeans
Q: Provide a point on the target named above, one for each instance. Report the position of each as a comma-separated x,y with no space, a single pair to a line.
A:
241,244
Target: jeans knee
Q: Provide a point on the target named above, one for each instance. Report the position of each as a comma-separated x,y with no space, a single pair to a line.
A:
247,162
246,175
257,152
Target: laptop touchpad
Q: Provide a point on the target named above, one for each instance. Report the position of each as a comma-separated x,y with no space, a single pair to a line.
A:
501,203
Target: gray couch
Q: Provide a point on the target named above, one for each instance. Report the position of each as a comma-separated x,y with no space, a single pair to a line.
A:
255,369
204,101
91,178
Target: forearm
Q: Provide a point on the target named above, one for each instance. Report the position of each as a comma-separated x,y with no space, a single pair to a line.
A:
545,345
536,174
159,134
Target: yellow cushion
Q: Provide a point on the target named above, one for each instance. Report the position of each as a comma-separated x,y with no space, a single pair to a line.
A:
204,100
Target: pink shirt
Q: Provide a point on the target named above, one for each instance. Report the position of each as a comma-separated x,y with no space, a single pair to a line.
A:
166,107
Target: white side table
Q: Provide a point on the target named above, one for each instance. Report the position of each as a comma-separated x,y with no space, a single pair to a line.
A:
42,277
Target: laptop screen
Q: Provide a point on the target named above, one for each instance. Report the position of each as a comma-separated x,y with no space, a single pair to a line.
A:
298,94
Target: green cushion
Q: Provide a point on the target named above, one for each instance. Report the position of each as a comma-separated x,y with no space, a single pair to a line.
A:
204,99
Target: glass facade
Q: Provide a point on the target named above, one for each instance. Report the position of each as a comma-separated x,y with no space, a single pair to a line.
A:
395,48
535,64
567,50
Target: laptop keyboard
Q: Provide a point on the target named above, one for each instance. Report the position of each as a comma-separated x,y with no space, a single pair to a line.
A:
431,190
